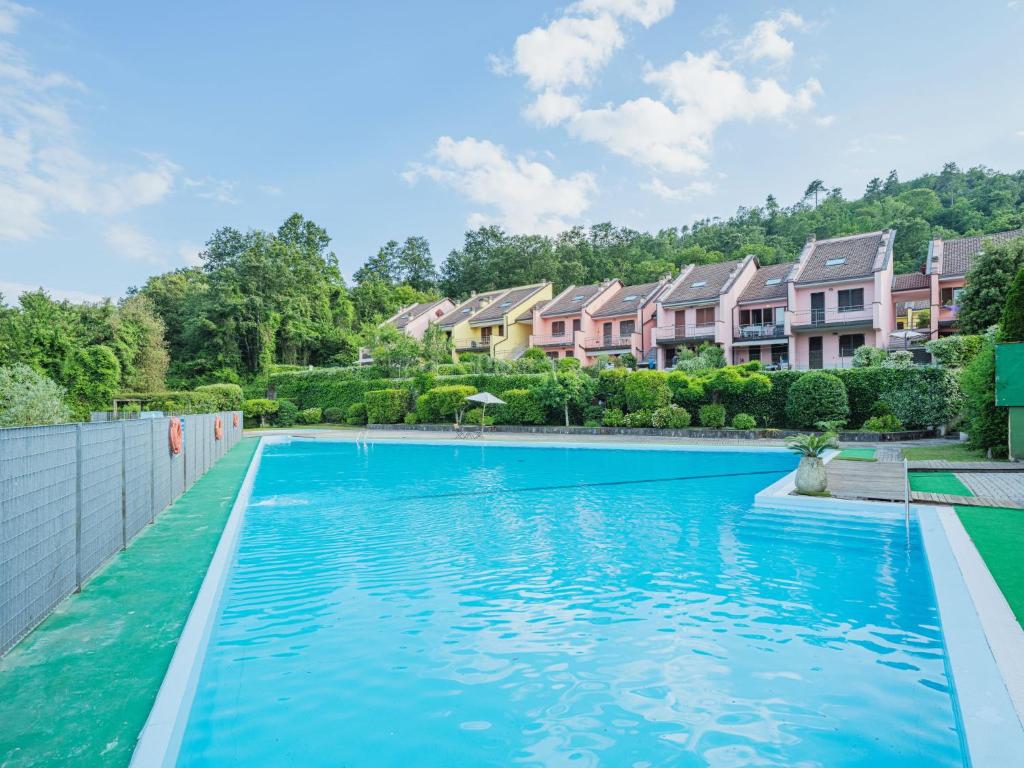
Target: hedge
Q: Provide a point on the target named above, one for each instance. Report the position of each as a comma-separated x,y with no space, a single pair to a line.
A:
646,390
386,406
712,415
229,397
330,387
817,396
521,407
442,403
310,416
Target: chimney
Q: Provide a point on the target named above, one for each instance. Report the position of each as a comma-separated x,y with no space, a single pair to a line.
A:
812,237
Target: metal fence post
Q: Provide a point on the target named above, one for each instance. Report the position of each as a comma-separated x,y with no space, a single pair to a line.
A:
124,486
78,507
152,470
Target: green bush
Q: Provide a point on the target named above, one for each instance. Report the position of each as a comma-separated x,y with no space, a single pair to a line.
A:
385,406
355,414
259,408
613,418
568,364
521,407
744,421
640,419
451,369
955,351
899,359
868,357
287,413
331,387
670,417
863,388
228,397
816,396
1012,322
627,360
712,416
476,417
28,398
611,387
922,396
646,390
309,416
440,404
987,423
888,423
687,389
410,418
334,415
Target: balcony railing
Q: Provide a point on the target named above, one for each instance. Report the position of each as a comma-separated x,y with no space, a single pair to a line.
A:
609,342
845,316
474,345
668,334
565,340
761,331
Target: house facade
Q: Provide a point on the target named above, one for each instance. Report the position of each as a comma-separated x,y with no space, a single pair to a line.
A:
414,319
487,323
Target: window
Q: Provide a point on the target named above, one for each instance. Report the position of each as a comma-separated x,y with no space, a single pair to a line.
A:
815,352
950,297
485,334
705,315
631,297
699,284
773,281
780,354
579,297
501,330
851,300
576,324
780,315
570,353
558,328
505,304
626,327
755,354
835,262
850,342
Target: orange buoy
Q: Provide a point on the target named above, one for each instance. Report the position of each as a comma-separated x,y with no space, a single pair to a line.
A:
174,435
234,419
218,428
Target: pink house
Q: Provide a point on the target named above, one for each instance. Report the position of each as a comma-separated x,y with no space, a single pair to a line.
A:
840,298
561,324
415,318
759,317
697,307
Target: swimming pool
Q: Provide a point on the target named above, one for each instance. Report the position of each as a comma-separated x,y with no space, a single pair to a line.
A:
476,605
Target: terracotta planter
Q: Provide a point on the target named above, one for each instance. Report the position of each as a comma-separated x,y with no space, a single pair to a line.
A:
811,476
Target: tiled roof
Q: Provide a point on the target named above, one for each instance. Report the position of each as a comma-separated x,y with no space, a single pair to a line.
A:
617,304
527,315
504,303
466,309
407,316
958,254
572,300
705,281
845,258
759,289
910,281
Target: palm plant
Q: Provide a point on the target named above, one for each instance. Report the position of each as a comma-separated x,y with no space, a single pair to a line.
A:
811,445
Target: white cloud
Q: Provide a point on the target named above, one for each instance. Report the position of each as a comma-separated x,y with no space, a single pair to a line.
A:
131,244
825,120
552,108
524,195
665,192
569,51
11,292
646,12
209,188
765,40
10,13
270,189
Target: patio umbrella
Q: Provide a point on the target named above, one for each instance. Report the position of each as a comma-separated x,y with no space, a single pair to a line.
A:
485,399
907,336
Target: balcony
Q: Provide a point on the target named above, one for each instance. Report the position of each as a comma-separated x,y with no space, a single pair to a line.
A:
822,319
760,331
679,334
605,343
473,345
565,340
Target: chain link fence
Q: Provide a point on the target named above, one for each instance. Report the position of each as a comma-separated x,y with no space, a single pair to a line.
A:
72,495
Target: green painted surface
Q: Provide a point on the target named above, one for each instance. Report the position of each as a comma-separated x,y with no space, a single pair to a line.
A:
857,454
999,536
1010,373
938,482
77,690
950,452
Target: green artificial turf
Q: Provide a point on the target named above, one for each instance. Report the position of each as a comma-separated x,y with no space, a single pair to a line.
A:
951,452
938,482
857,454
998,534
77,690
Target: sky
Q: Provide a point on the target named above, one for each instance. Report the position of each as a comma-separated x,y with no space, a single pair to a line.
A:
129,131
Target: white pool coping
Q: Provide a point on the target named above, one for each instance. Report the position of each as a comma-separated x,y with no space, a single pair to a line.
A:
160,739
984,643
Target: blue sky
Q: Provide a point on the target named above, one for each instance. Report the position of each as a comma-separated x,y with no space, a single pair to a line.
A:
130,131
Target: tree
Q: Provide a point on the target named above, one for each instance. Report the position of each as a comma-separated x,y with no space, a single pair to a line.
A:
95,374
29,398
1012,325
437,345
392,350
565,390
140,346
815,188
988,283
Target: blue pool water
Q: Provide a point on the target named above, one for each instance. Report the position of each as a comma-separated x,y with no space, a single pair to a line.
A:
471,605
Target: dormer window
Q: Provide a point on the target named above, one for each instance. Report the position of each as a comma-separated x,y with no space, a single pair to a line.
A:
581,297
631,297
466,311
505,304
835,262
773,281
699,284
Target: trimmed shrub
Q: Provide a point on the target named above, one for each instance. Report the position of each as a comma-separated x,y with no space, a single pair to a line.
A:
259,408
955,351
670,417
410,418
744,421
775,402
627,360
987,423
613,418
310,416
385,406
568,364
28,398
228,397
355,414
888,423
868,357
863,388
712,416
287,413
442,403
451,369
817,396
611,387
331,387
922,396
639,419
475,417
521,407
334,415
900,359
646,390
687,389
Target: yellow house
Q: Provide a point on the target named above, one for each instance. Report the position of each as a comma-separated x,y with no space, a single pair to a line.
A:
486,323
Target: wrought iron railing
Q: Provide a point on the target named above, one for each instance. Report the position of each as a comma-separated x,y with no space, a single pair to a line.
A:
761,331
811,317
609,341
681,332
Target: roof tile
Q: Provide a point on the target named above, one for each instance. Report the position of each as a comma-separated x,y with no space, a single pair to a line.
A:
617,304
844,258
705,281
758,289
958,254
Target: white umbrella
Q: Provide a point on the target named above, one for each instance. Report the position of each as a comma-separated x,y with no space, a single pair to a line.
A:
485,399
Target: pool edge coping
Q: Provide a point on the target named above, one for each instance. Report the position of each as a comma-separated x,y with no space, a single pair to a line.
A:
159,741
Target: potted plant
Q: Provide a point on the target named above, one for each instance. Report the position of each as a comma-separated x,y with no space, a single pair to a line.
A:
811,477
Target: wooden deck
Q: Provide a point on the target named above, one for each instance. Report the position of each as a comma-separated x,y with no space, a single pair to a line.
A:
874,481
937,465
965,501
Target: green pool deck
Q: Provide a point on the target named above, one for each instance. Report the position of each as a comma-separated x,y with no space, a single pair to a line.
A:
77,690
938,482
998,535
857,454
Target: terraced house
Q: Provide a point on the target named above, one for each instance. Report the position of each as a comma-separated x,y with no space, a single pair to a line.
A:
414,319
488,322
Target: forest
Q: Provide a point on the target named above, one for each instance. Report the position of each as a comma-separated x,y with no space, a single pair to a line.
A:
265,299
